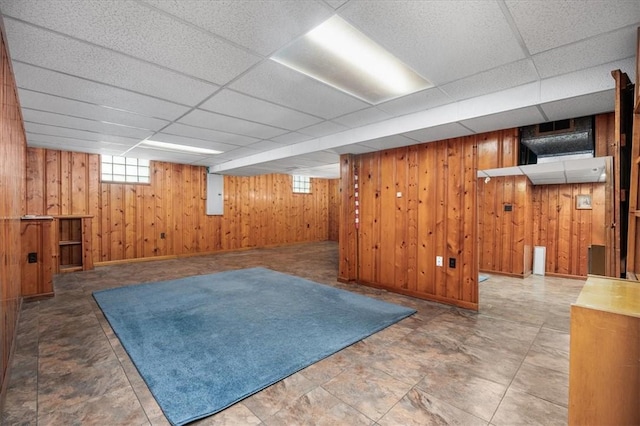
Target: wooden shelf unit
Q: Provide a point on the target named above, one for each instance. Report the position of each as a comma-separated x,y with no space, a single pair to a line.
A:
73,236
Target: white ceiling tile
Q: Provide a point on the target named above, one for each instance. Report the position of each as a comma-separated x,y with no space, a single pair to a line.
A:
580,106
237,153
389,142
218,146
228,124
207,161
252,171
149,153
415,102
323,129
45,81
66,143
500,78
208,134
504,120
591,80
140,32
47,118
64,132
556,23
326,157
265,145
243,106
336,3
44,102
262,26
291,138
588,53
91,148
329,171
436,133
279,84
439,39
43,48
353,149
362,117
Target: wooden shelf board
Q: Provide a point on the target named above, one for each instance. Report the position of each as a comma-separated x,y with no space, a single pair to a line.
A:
70,243
70,268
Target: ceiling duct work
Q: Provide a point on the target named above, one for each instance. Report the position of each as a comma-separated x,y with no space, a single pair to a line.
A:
557,141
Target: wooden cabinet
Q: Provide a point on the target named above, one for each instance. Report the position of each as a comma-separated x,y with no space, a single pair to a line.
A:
73,236
38,257
604,358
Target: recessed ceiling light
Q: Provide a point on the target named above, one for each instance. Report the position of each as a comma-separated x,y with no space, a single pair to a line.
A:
339,55
177,147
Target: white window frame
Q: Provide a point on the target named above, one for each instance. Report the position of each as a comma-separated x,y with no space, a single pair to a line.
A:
118,169
301,184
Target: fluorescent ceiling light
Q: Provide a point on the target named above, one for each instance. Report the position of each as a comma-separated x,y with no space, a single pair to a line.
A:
177,147
339,55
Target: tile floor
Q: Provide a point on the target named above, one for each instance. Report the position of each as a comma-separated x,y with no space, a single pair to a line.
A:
506,365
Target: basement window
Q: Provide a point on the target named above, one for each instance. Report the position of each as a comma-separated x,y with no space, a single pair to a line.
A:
124,169
301,184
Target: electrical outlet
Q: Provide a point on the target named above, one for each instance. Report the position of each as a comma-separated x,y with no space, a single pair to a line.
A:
439,261
32,258
452,262
162,236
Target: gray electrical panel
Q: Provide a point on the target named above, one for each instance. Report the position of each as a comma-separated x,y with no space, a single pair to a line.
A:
215,194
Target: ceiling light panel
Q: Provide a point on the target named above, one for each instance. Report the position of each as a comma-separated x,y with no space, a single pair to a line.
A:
339,55
282,85
177,147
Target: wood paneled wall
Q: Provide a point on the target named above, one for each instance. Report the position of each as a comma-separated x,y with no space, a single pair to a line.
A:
416,203
12,178
505,237
565,231
334,209
130,220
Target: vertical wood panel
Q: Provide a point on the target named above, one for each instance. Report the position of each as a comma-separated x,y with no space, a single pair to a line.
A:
565,231
13,204
333,209
129,218
348,238
401,191
412,218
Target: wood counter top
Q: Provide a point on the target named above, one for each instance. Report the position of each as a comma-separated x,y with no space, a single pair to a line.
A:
611,295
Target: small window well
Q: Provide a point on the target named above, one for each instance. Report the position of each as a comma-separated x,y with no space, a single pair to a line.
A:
301,184
124,169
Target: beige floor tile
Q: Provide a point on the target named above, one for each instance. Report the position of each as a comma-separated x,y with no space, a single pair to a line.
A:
69,367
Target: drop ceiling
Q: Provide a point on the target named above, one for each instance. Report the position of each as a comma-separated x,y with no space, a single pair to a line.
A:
101,76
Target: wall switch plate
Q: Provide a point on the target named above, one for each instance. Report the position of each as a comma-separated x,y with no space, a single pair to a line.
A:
439,261
452,262
399,194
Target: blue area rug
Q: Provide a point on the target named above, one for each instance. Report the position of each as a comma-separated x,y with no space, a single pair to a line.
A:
203,343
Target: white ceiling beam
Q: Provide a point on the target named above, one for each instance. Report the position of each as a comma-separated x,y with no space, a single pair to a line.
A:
592,80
